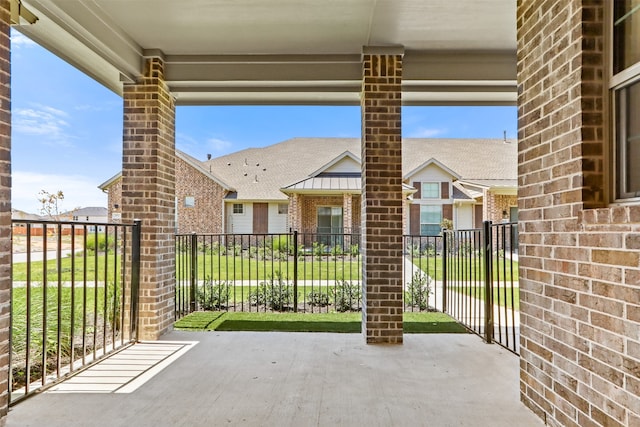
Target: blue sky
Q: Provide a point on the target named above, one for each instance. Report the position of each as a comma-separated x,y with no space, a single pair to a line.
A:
67,128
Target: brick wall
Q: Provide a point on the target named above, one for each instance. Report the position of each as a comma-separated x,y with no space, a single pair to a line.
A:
382,199
114,198
579,264
5,204
308,210
497,204
148,191
207,214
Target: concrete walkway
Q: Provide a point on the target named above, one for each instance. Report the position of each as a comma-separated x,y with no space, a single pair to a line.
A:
303,379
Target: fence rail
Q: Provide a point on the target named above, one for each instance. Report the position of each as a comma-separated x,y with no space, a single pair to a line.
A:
480,281
470,274
74,298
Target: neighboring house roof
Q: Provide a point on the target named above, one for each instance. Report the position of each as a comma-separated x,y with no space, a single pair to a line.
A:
299,163
88,211
460,193
22,215
192,161
260,173
333,184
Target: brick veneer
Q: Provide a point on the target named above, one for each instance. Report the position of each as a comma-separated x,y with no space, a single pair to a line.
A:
308,210
496,204
207,214
148,191
579,266
5,204
382,197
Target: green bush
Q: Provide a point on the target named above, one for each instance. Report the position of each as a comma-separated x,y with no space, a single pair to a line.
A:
347,296
318,299
101,242
418,291
276,294
213,295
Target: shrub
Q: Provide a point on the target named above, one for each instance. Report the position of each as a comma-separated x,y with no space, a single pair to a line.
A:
276,294
418,291
354,251
336,251
347,296
318,299
319,249
101,242
213,295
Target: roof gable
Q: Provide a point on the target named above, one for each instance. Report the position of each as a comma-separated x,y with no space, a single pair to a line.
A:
346,162
433,162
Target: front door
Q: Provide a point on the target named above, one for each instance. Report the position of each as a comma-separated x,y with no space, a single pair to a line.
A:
260,218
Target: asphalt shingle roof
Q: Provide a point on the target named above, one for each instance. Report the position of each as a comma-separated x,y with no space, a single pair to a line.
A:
260,173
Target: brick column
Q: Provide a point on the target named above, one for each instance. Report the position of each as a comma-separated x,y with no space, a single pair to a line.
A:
5,204
347,213
148,191
382,195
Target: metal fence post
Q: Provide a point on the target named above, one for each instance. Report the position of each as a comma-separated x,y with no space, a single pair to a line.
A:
444,270
135,276
194,272
488,281
295,271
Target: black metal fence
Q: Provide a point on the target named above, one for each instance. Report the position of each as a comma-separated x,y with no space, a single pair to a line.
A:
470,274
480,281
74,298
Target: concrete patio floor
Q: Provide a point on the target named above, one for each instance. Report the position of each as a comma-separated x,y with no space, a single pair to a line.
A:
305,379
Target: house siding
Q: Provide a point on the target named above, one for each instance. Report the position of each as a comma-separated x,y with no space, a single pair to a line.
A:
579,258
277,222
240,223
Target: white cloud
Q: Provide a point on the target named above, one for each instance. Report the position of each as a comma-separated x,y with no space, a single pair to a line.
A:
425,133
43,121
219,146
20,40
79,191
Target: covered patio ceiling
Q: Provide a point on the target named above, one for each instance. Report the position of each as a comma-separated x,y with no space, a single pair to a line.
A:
305,52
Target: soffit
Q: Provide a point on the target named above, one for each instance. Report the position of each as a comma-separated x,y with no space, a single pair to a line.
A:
288,51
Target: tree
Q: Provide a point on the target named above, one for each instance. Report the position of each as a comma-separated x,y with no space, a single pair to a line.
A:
51,203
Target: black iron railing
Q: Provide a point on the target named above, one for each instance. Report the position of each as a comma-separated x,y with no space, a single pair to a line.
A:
470,274
480,281
74,298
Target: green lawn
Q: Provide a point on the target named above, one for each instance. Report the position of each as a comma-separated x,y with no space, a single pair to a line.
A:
244,268
71,265
472,267
502,296
425,322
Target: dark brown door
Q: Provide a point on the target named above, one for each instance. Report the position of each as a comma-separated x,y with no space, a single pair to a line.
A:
260,218
478,216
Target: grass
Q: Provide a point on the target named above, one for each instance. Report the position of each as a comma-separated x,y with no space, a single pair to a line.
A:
467,267
426,322
228,267
502,296
71,267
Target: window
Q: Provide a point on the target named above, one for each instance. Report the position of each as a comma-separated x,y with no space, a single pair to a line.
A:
430,190
625,87
430,219
189,201
283,208
238,209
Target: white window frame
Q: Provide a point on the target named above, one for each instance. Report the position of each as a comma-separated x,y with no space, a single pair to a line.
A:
189,202
619,85
241,210
423,192
283,209
431,223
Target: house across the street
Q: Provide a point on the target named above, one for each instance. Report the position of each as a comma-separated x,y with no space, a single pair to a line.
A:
314,185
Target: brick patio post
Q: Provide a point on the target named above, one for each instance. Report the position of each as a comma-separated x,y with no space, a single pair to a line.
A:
5,204
347,216
382,195
148,191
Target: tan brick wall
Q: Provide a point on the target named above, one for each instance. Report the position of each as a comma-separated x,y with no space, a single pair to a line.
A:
382,199
579,267
148,192
497,204
5,205
308,210
207,214
114,198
